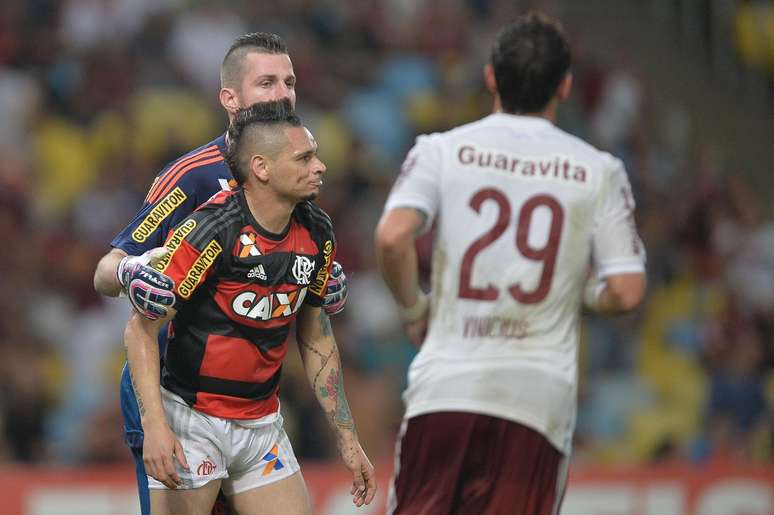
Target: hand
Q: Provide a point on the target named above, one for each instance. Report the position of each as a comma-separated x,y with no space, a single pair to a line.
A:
336,291
363,480
160,447
149,291
417,330
416,318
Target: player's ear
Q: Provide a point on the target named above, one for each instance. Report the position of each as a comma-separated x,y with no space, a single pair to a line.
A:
228,100
563,91
259,167
489,78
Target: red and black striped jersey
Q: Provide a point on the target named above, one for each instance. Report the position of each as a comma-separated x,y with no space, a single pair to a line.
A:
239,288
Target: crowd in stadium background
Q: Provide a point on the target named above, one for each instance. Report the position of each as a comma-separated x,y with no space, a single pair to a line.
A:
97,95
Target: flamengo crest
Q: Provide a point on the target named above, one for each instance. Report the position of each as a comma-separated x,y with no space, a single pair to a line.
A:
302,269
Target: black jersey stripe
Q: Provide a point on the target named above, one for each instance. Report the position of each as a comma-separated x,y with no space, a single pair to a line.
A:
242,389
217,218
314,218
210,316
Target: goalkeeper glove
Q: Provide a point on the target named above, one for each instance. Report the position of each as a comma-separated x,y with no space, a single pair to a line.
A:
149,291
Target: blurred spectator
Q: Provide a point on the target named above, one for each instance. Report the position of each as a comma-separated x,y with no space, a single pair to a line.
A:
96,95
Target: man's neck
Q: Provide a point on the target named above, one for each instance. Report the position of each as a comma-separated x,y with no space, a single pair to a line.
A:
549,113
269,210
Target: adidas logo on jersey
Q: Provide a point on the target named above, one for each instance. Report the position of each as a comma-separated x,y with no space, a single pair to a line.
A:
257,273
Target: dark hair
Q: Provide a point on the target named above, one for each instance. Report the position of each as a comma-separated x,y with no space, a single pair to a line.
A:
264,42
530,58
275,114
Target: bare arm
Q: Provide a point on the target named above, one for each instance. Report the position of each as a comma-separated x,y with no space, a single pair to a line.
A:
616,293
105,278
142,352
397,257
623,292
322,364
160,444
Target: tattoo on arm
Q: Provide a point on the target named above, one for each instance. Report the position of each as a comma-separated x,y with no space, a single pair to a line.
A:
325,323
334,389
137,393
323,359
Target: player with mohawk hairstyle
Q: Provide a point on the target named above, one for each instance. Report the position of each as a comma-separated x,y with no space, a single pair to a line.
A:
213,421
256,68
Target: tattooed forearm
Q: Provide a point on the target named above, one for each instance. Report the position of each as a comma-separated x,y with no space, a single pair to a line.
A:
325,324
140,404
305,345
323,368
323,359
334,389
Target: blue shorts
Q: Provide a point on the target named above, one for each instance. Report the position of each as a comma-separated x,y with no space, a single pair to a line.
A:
133,434
131,413
142,481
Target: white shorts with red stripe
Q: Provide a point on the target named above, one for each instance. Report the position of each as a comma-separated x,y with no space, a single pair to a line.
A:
244,454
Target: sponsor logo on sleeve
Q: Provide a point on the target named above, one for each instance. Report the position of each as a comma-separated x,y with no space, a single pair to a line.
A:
199,268
173,243
158,214
321,279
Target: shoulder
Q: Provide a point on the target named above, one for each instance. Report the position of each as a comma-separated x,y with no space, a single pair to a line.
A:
460,132
433,145
314,219
599,158
188,171
215,218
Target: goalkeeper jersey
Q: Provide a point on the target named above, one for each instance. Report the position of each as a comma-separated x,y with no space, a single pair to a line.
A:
180,187
239,288
520,209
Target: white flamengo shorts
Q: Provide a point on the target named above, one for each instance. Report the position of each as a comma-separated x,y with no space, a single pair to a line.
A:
244,454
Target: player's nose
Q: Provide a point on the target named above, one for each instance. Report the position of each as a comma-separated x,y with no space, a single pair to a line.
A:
320,167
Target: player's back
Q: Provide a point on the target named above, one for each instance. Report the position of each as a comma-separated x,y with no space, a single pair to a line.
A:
517,202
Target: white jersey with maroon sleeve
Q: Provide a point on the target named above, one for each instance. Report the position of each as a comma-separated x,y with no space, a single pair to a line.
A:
521,209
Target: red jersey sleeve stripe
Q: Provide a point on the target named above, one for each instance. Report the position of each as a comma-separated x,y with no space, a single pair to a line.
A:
180,173
183,160
163,180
